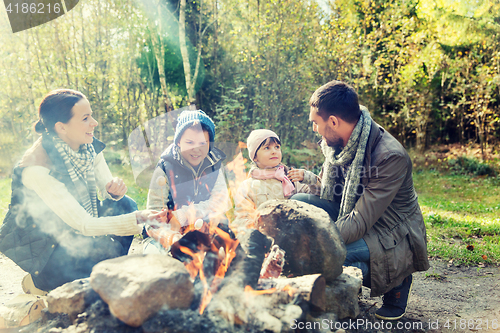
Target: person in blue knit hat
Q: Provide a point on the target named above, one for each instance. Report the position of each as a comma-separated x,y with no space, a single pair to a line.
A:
188,179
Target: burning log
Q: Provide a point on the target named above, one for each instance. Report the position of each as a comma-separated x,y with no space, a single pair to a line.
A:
254,246
244,271
307,288
208,257
273,265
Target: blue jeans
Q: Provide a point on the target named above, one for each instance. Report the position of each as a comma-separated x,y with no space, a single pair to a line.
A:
358,254
65,266
331,207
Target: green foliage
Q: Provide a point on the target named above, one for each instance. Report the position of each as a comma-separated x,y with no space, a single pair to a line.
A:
303,158
269,57
139,194
427,70
471,166
458,193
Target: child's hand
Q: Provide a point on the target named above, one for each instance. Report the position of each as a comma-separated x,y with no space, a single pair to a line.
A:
296,175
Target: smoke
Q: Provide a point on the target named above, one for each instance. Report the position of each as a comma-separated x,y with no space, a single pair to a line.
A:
36,214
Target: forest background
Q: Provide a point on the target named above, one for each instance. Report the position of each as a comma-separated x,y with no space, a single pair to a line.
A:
428,71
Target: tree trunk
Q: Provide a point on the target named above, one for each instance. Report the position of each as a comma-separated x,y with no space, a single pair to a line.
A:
184,52
159,51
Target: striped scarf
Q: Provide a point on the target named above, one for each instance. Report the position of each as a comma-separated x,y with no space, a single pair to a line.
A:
80,166
352,154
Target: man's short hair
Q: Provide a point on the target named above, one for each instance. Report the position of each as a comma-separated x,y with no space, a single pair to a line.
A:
336,98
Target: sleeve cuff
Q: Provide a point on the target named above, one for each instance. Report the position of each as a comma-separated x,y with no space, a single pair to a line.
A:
181,217
309,178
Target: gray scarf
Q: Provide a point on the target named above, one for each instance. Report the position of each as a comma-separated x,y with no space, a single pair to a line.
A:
80,166
354,154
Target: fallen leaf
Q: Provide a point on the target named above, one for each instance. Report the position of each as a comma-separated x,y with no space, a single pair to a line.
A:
484,256
470,247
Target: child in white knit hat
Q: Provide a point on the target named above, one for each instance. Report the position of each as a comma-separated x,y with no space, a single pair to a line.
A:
268,178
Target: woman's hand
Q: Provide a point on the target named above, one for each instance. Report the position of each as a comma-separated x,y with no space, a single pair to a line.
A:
116,187
151,216
154,218
296,175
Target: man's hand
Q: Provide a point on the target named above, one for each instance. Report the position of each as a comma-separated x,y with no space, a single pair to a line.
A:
116,187
296,175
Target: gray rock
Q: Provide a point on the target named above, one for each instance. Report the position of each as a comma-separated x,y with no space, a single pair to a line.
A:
308,235
72,298
290,316
136,287
342,294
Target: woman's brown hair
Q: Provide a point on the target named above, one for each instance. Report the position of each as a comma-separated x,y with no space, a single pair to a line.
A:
56,107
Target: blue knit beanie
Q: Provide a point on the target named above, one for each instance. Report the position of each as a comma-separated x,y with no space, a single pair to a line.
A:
187,118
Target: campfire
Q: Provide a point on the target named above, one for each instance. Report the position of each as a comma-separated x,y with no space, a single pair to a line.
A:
286,269
217,248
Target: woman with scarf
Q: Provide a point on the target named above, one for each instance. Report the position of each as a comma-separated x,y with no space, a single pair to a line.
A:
56,228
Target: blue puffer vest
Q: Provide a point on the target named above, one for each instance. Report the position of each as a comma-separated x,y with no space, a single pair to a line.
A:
186,186
27,232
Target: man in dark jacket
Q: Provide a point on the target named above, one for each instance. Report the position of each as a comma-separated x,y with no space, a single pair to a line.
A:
367,188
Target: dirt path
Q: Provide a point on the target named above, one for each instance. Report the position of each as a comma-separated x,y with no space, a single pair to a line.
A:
447,298
467,298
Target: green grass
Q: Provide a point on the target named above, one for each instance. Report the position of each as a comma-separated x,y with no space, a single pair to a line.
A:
139,194
461,215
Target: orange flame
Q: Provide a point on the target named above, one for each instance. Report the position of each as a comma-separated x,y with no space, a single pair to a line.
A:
290,290
231,246
252,291
195,266
237,167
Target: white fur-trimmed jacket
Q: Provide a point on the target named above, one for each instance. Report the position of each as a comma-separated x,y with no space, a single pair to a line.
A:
254,192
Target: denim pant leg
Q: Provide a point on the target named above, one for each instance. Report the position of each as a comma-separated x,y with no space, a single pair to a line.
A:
125,205
331,207
358,255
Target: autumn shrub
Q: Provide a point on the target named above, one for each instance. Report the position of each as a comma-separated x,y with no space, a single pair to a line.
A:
471,166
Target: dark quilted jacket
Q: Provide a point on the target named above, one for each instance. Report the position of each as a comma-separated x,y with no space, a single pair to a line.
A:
23,234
